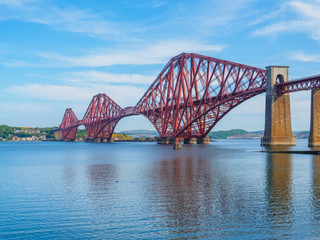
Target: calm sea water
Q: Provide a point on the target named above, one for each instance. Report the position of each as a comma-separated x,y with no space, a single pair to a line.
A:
225,190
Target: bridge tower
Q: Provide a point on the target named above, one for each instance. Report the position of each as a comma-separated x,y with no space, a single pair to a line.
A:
277,131
314,137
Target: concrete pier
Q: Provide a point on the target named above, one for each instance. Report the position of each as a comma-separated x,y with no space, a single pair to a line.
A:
314,137
177,143
204,140
107,140
69,140
189,140
277,131
92,140
163,140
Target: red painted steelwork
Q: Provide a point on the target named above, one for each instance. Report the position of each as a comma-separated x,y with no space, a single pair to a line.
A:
69,125
187,99
101,117
299,84
193,92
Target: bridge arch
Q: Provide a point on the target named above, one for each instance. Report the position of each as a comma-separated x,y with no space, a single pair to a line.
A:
117,121
280,78
193,91
222,108
189,97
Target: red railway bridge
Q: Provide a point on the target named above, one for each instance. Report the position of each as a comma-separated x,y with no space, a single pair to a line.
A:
193,93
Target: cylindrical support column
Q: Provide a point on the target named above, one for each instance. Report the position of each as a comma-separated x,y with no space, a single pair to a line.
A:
204,140
163,140
277,131
314,137
110,140
189,140
177,145
104,140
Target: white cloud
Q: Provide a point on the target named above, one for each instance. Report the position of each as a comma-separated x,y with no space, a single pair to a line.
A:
125,95
208,17
69,18
16,3
79,21
304,18
17,63
25,107
274,28
304,57
255,105
154,54
156,4
85,77
51,92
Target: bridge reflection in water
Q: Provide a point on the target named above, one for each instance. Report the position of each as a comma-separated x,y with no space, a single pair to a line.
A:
200,192
316,186
279,191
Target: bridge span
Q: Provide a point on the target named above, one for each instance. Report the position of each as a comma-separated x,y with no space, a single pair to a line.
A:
193,93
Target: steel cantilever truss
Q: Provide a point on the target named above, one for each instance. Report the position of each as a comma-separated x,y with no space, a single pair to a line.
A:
193,92
187,99
101,117
69,125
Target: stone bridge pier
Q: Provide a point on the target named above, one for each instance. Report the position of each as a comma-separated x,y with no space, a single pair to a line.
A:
277,131
314,137
57,133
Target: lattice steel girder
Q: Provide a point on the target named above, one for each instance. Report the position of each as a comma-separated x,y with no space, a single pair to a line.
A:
69,125
187,99
307,83
102,109
189,85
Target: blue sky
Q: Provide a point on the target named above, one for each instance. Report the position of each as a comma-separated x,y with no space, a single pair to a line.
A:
58,54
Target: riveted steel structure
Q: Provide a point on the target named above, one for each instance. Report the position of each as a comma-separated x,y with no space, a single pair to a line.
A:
187,99
307,83
193,92
69,125
101,117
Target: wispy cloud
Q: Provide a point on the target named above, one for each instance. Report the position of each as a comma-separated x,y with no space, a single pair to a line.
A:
274,28
52,92
156,4
304,17
124,95
68,18
16,3
25,107
154,54
82,21
146,4
304,57
17,63
85,77
159,53
209,18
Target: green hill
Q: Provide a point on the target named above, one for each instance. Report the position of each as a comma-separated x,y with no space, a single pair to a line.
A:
227,133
